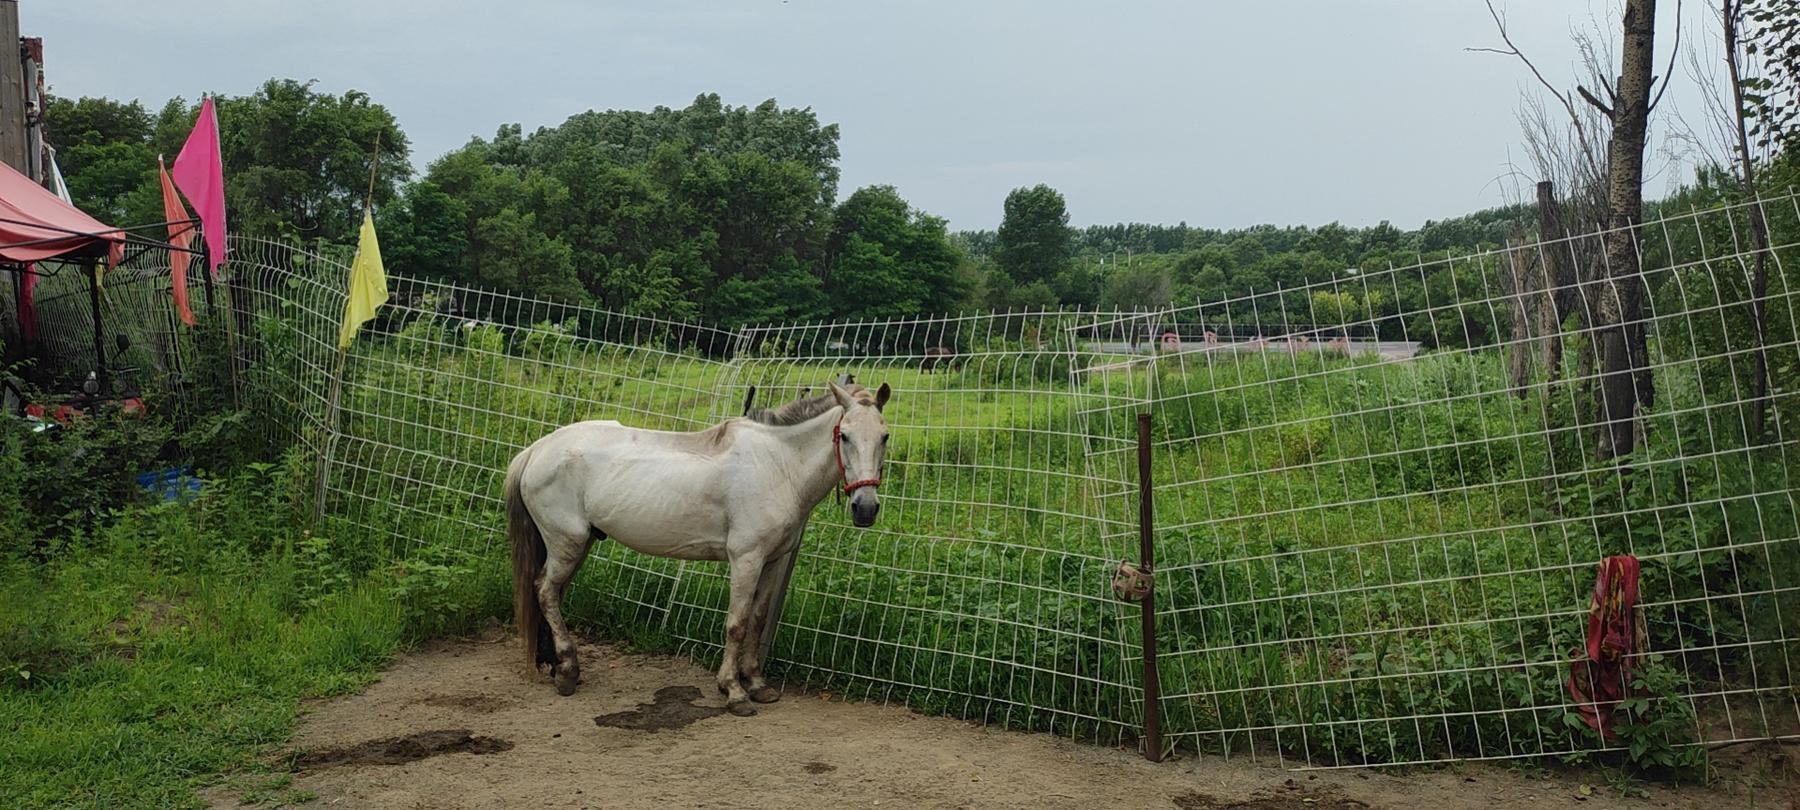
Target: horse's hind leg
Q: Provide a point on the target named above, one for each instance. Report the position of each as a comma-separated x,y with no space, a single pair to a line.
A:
564,553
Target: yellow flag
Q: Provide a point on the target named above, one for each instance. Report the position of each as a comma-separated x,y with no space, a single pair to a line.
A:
368,284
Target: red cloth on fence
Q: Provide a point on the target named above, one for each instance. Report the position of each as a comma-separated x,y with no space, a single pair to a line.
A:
1601,674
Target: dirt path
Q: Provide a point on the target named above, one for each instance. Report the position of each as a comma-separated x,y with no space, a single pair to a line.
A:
456,726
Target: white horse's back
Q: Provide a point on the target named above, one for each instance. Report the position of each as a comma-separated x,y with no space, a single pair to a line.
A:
647,489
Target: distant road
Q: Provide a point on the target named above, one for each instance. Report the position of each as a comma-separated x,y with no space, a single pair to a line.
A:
1388,349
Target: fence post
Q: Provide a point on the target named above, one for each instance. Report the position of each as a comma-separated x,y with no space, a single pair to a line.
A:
331,433
1153,749
212,305
102,377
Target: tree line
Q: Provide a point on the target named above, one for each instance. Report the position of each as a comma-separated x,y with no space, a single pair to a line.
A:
725,213
732,215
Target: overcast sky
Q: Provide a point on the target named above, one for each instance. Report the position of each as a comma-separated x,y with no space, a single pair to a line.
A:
1220,114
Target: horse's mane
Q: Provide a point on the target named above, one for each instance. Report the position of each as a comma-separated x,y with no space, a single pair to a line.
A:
803,408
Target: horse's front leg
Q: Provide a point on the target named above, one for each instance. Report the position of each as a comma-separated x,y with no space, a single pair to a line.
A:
768,589
746,569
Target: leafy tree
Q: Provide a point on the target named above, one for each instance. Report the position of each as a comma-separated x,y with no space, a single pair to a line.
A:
104,150
1336,309
425,230
1141,285
1032,295
297,160
1773,99
888,259
785,293
710,211
74,122
512,253
1033,243
1080,284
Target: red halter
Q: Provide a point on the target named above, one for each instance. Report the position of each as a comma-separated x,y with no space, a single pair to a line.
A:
837,447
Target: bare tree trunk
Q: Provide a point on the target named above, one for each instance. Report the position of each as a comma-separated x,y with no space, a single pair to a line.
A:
1621,332
1558,279
1518,279
1730,12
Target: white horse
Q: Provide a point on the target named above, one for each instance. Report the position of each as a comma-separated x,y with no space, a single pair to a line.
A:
740,491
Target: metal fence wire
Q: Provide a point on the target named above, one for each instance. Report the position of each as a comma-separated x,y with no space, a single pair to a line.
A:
1378,501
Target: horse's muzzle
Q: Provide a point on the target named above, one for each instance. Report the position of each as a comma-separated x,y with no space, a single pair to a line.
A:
863,510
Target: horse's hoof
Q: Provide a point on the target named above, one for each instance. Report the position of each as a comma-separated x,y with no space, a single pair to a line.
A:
767,694
566,686
741,709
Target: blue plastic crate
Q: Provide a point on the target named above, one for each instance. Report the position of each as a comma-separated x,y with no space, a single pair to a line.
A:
170,483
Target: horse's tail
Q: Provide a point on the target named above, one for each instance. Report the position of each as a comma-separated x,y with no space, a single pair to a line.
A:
527,563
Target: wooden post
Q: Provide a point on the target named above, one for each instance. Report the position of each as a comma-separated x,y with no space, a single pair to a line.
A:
331,434
206,278
1520,286
18,277
1558,279
212,305
1153,748
12,91
100,371
31,58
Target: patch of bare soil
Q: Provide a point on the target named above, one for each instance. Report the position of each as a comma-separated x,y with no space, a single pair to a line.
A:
673,708
151,616
478,704
404,748
1298,800
646,732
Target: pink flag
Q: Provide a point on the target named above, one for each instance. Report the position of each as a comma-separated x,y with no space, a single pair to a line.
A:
200,174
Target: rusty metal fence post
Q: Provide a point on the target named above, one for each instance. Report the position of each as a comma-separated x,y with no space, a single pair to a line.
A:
1153,749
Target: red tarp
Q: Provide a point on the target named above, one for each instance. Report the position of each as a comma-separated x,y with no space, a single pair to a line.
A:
36,225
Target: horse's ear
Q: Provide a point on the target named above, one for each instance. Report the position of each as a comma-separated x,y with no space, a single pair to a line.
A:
838,393
881,396
847,379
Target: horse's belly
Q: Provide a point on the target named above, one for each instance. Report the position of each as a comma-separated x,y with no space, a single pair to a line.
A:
664,521
664,539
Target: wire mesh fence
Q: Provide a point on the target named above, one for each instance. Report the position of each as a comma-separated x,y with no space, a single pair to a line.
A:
138,330
1379,501
1374,559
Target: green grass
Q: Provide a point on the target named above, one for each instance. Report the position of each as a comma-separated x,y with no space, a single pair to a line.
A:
175,645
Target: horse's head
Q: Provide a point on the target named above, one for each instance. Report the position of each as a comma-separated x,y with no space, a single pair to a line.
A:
861,438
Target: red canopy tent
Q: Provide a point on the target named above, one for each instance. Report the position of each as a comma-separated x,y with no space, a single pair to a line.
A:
36,225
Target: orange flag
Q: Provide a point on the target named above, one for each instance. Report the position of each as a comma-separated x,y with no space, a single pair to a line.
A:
180,232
